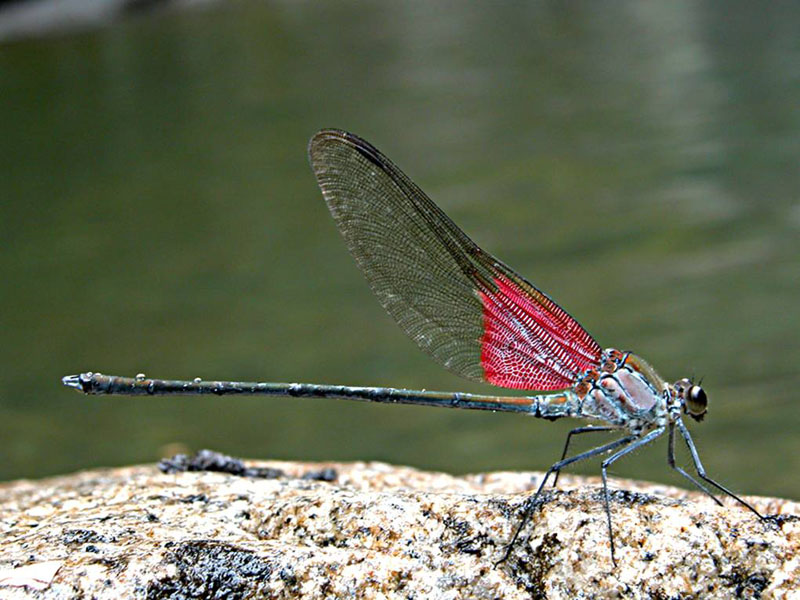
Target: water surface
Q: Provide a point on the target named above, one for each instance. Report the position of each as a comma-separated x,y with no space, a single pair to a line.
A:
638,163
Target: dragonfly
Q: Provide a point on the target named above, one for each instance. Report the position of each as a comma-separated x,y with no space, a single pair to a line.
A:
478,318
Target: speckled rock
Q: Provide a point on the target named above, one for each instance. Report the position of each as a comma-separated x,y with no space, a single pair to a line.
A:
370,530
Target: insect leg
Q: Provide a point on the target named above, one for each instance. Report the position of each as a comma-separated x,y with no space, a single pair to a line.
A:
604,466
701,472
532,501
576,431
671,461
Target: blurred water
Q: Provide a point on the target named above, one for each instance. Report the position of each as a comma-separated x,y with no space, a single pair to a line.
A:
637,162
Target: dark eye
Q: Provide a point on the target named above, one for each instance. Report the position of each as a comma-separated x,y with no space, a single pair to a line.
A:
696,401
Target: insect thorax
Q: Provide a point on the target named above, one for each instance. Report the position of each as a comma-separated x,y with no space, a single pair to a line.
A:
625,391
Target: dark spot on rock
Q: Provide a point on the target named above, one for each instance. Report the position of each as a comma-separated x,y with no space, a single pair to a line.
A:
92,548
658,594
291,582
326,588
190,499
629,497
779,520
459,527
472,545
467,540
112,564
208,460
263,473
212,570
746,585
503,506
174,464
204,460
287,577
327,474
82,536
530,568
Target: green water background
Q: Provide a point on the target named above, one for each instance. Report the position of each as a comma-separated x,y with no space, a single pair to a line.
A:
639,162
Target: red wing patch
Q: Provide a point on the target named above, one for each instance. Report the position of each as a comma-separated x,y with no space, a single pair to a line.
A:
529,342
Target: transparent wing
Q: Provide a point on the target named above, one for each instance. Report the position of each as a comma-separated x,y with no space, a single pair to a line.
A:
461,305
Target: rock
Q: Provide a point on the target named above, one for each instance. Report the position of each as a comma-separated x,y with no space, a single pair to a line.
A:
371,530
28,18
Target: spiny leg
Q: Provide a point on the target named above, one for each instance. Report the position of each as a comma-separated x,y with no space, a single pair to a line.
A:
604,466
576,431
671,461
530,503
701,472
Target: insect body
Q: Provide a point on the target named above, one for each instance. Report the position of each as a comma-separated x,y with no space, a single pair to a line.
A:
475,316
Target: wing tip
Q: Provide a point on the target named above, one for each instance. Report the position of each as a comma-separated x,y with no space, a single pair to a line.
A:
333,135
326,135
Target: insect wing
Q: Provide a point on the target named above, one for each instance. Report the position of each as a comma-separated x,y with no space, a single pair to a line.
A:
461,305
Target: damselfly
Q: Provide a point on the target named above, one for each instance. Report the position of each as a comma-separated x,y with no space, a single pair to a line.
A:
478,318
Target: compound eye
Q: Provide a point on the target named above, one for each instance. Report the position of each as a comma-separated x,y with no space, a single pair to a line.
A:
696,402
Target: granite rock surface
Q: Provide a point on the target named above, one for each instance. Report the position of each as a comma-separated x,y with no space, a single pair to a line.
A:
371,530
